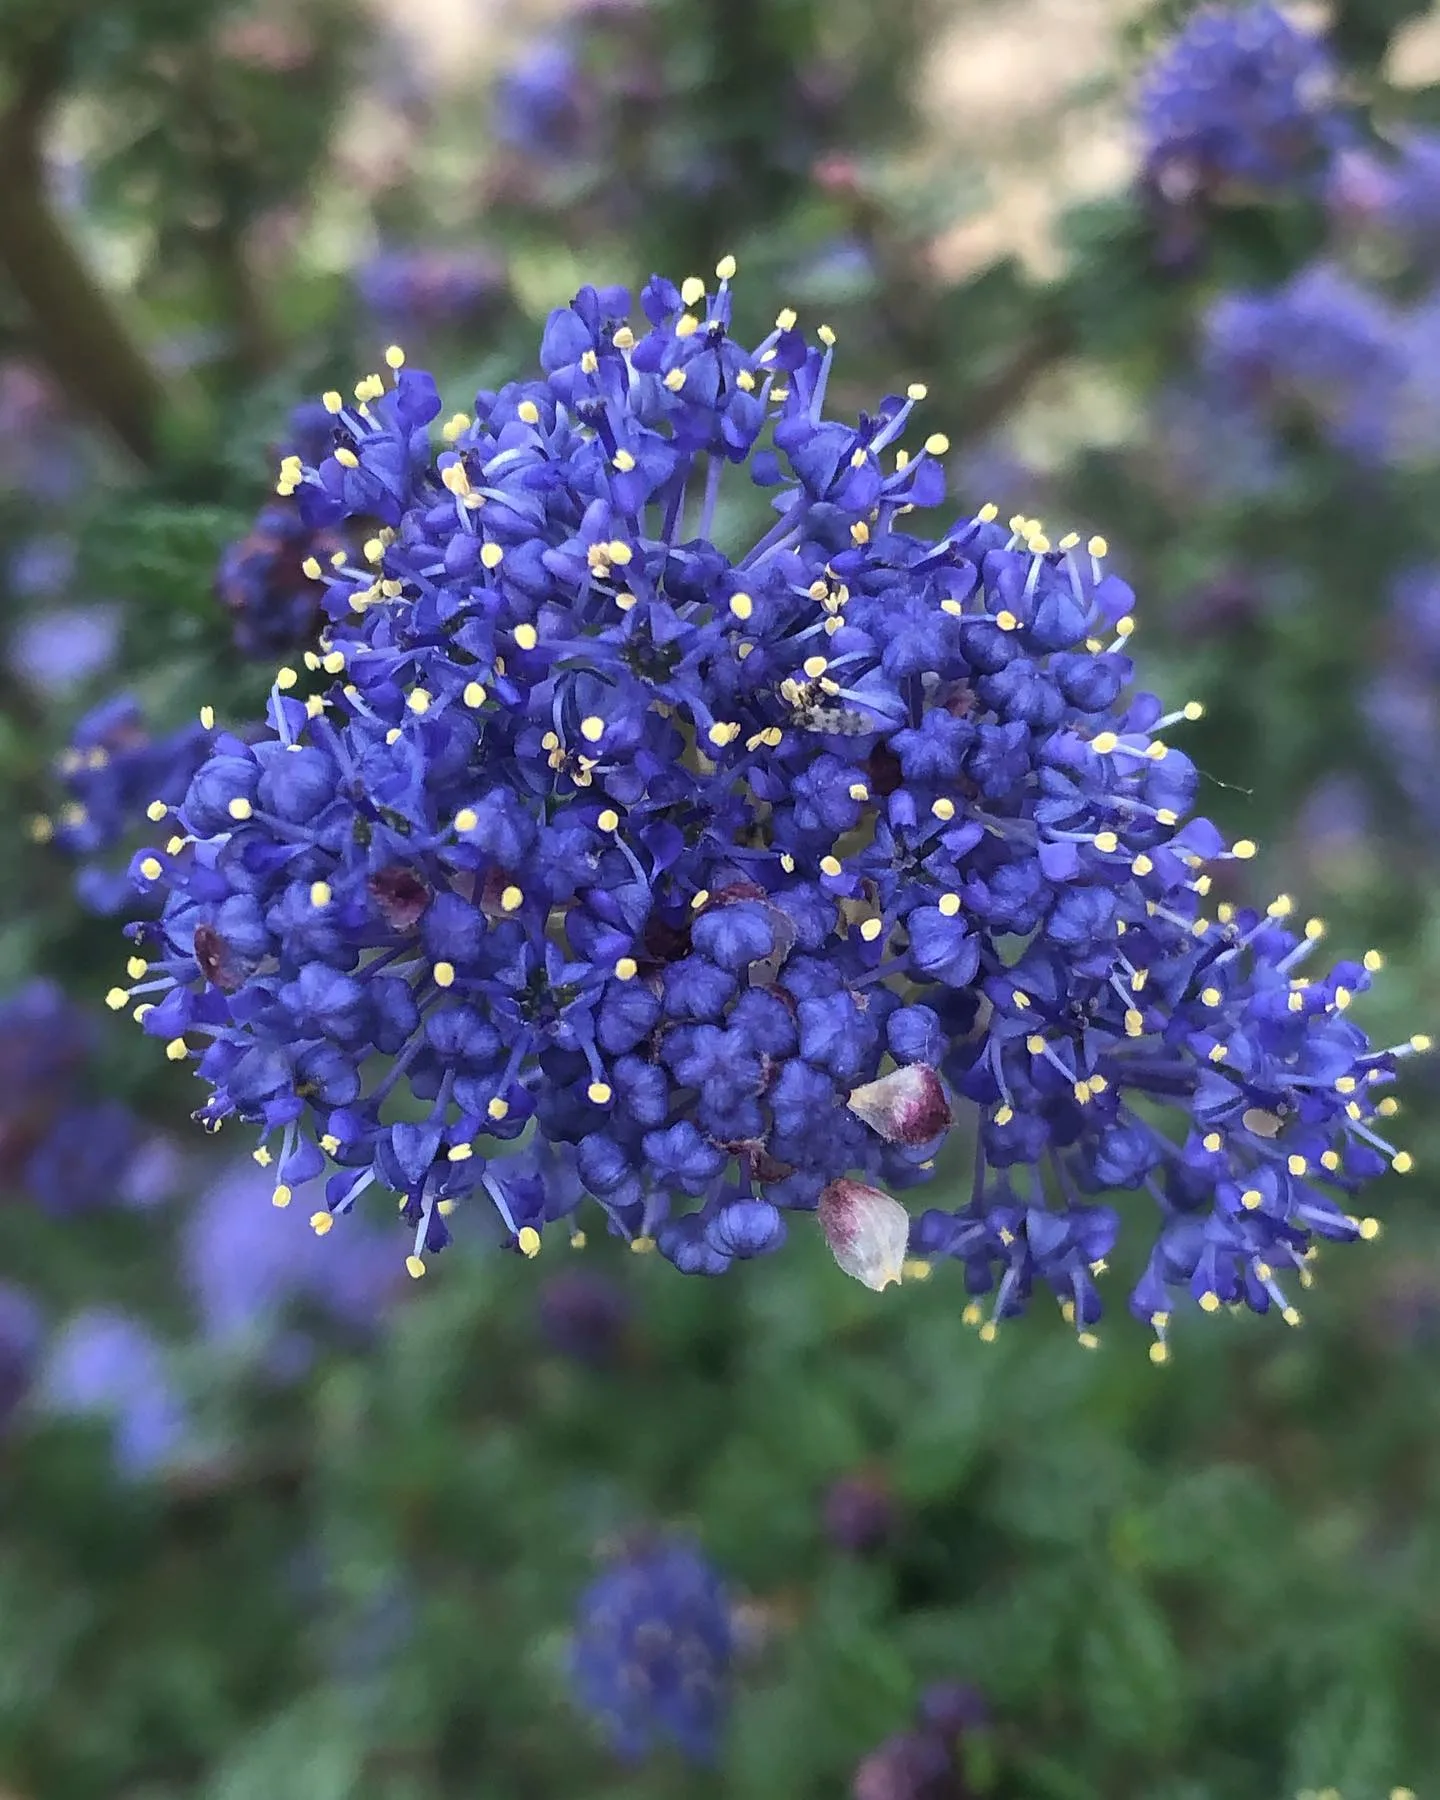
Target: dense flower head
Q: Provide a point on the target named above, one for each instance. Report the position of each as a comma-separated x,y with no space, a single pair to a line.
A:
265,582
587,857
1241,99
1395,190
114,769
420,288
45,1041
1335,350
652,1651
106,1365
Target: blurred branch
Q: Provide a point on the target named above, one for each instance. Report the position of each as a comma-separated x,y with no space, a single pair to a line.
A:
993,399
77,331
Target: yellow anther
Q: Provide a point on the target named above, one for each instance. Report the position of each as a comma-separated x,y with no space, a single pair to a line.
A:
686,325
491,556
592,729
1158,751
1244,848
474,694
937,444
1159,1353
1098,547
1104,742
414,1267
825,335
1209,1303
785,319
282,1196
118,999
870,929
466,819
692,289
1006,620
1369,1229
1343,997
320,894
1420,1042
1035,1043
589,362
1004,1114
497,1109
860,532
456,424
1297,1165
815,666
858,791
347,459
156,811
609,820
697,900
943,809
599,1093
626,969
722,732
725,268
1106,841
831,866
444,974
949,904
320,1223
1211,996
675,380
1019,999
527,1241
624,338
528,412
459,1153
1373,961
418,700
333,401
1402,1162
512,899
1134,1023
1388,1107
240,808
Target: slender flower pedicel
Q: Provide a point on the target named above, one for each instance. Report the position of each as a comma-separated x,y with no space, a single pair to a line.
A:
585,857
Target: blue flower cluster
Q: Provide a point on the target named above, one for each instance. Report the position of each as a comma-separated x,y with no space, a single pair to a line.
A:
1366,372
1396,191
418,289
585,856
652,1651
264,582
65,1149
1240,99
113,770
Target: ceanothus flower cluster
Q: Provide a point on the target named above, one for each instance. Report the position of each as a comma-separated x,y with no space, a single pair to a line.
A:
1240,99
589,863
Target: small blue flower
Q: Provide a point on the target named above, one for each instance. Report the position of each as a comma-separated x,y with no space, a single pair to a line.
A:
107,1365
652,1652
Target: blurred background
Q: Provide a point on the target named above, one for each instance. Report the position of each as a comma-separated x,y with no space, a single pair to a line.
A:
278,1524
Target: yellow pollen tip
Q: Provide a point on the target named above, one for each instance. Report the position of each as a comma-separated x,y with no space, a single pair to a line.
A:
1098,547
1244,848
526,637
491,556
1209,1303
937,444
626,969
240,808
137,967
1373,961
870,929
512,899
1004,1114
394,357
333,401
949,905
1106,841
1369,1229
444,974
320,893
599,1093
282,1196
1402,1162
1104,742
347,459
742,606
1194,710
831,866
117,999
474,694
528,412
527,1241
466,819
498,1109
414,1267
1159,1353
692,288
320,1223
725,268
943,809
1420,1043
609,820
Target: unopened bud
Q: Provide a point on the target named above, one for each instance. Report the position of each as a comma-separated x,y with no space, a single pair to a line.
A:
866,1230
907,1106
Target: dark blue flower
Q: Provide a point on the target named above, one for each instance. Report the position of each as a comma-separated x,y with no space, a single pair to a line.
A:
591,856
652,1652
269,581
